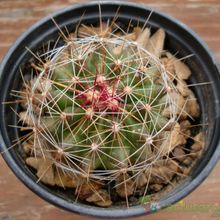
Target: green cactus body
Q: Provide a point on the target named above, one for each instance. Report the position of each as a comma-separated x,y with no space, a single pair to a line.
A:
103,105
103,110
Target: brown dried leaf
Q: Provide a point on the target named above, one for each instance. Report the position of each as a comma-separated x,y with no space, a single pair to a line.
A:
48,175
188,161
44,169
187,170
198,143
127,37
164,191
100,198
185,128
27,147
65,180
156,187
162,171
72,36
124,186
171,139
143,38
85,190
102,31
169,67
196,147
137,31
26,96
183,88
179,103
27,119
156,43
141,180
42,85
192,106
173,165
179,154
199,138
181,69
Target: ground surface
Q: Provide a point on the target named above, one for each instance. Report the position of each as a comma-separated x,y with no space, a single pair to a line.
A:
19,203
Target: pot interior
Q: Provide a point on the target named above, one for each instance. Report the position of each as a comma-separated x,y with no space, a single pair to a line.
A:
178,41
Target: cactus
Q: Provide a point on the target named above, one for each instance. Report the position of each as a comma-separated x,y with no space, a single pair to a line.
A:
104,110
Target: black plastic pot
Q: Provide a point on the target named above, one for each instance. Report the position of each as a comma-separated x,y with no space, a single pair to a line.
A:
179,39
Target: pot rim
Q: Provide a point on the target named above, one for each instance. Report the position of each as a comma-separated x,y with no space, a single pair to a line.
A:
92,210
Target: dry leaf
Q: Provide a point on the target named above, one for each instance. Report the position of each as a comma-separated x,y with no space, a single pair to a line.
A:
156,187
192,106
171,139
156,43
129,37
124,186
143,38
179,104
102,31
198,143
100,198
44,169
183,88
27,147
141,180
162,171
188,161
48,175
169,67
181,69
185,128
65,180
137,31
179,154
27,119
85,190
